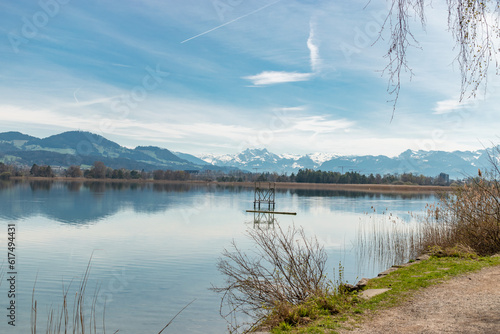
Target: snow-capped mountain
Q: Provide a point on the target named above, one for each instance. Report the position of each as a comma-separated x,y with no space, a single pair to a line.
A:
263,160
458,164
84,148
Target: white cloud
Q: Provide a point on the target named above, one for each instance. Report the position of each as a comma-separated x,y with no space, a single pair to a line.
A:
290,109
313,50
97,101
448,106
320,124
275,77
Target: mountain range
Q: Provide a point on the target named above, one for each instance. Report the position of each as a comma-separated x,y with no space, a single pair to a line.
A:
83,148
457,164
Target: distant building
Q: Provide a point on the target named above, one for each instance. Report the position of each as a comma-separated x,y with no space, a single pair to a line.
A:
443,179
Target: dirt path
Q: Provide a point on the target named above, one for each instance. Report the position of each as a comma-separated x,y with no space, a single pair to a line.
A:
465,304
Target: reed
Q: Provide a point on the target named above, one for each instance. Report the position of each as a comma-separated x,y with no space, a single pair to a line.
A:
464,223
66,319
77,314
384,240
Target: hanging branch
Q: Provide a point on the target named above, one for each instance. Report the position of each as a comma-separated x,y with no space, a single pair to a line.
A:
474,25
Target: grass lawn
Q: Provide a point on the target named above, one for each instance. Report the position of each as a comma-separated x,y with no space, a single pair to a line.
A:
403,283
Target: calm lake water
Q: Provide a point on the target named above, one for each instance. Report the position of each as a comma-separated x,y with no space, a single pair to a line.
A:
154,247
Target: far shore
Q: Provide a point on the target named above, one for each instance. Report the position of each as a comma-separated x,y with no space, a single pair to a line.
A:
373,188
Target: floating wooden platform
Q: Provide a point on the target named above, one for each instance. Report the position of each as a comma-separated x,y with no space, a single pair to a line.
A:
274,212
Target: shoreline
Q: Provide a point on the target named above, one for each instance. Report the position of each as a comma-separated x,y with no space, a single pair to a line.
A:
368,188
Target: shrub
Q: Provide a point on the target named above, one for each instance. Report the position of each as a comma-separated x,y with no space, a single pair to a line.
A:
468,220
464,223
287,270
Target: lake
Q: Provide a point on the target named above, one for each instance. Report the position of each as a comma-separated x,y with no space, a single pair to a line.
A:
154,247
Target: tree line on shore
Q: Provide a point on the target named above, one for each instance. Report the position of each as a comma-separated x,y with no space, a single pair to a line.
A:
100,171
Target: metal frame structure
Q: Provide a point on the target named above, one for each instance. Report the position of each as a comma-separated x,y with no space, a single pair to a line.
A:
264,195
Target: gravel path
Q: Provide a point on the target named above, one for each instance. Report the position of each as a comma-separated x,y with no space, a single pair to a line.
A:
464,304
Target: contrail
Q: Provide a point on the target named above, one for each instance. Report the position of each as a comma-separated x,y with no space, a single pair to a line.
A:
225,24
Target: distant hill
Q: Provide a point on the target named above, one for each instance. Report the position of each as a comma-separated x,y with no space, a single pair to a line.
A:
84,148
74,140
191,158
14,135
160,154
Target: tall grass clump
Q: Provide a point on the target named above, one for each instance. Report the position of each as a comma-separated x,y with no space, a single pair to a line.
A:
464,222
77,315
281,281
78,318
467,219
384,240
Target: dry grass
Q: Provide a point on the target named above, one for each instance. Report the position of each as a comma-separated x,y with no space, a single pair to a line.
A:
469,219
75,319
385,240
465,223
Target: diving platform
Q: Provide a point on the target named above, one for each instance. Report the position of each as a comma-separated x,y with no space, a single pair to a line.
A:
264,195
273,212
264,202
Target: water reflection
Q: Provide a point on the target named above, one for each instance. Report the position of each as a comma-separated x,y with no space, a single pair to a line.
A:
74,186
352,194
261,219
89,202
41,185
163,240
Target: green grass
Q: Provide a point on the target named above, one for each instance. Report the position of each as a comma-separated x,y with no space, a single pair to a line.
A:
403,283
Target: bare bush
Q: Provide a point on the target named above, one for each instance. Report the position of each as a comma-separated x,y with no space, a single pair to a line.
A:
286,268
472,217
469,217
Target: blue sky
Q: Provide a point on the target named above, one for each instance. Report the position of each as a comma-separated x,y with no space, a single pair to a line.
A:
219,76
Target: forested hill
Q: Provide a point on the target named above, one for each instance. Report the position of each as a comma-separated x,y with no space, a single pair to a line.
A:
84,148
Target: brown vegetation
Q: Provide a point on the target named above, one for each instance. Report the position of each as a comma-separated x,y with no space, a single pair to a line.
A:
468,219
283,281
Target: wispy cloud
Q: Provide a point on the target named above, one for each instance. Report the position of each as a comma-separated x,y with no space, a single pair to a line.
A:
313,49
121,65
275,77
299,108
321,124
451,105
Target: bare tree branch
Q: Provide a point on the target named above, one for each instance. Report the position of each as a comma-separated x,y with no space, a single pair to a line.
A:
474,25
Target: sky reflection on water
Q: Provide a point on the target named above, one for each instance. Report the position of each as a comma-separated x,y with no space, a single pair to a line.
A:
155,246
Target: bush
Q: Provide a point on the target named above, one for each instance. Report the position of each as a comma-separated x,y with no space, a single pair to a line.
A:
469,218
287,270
464,223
